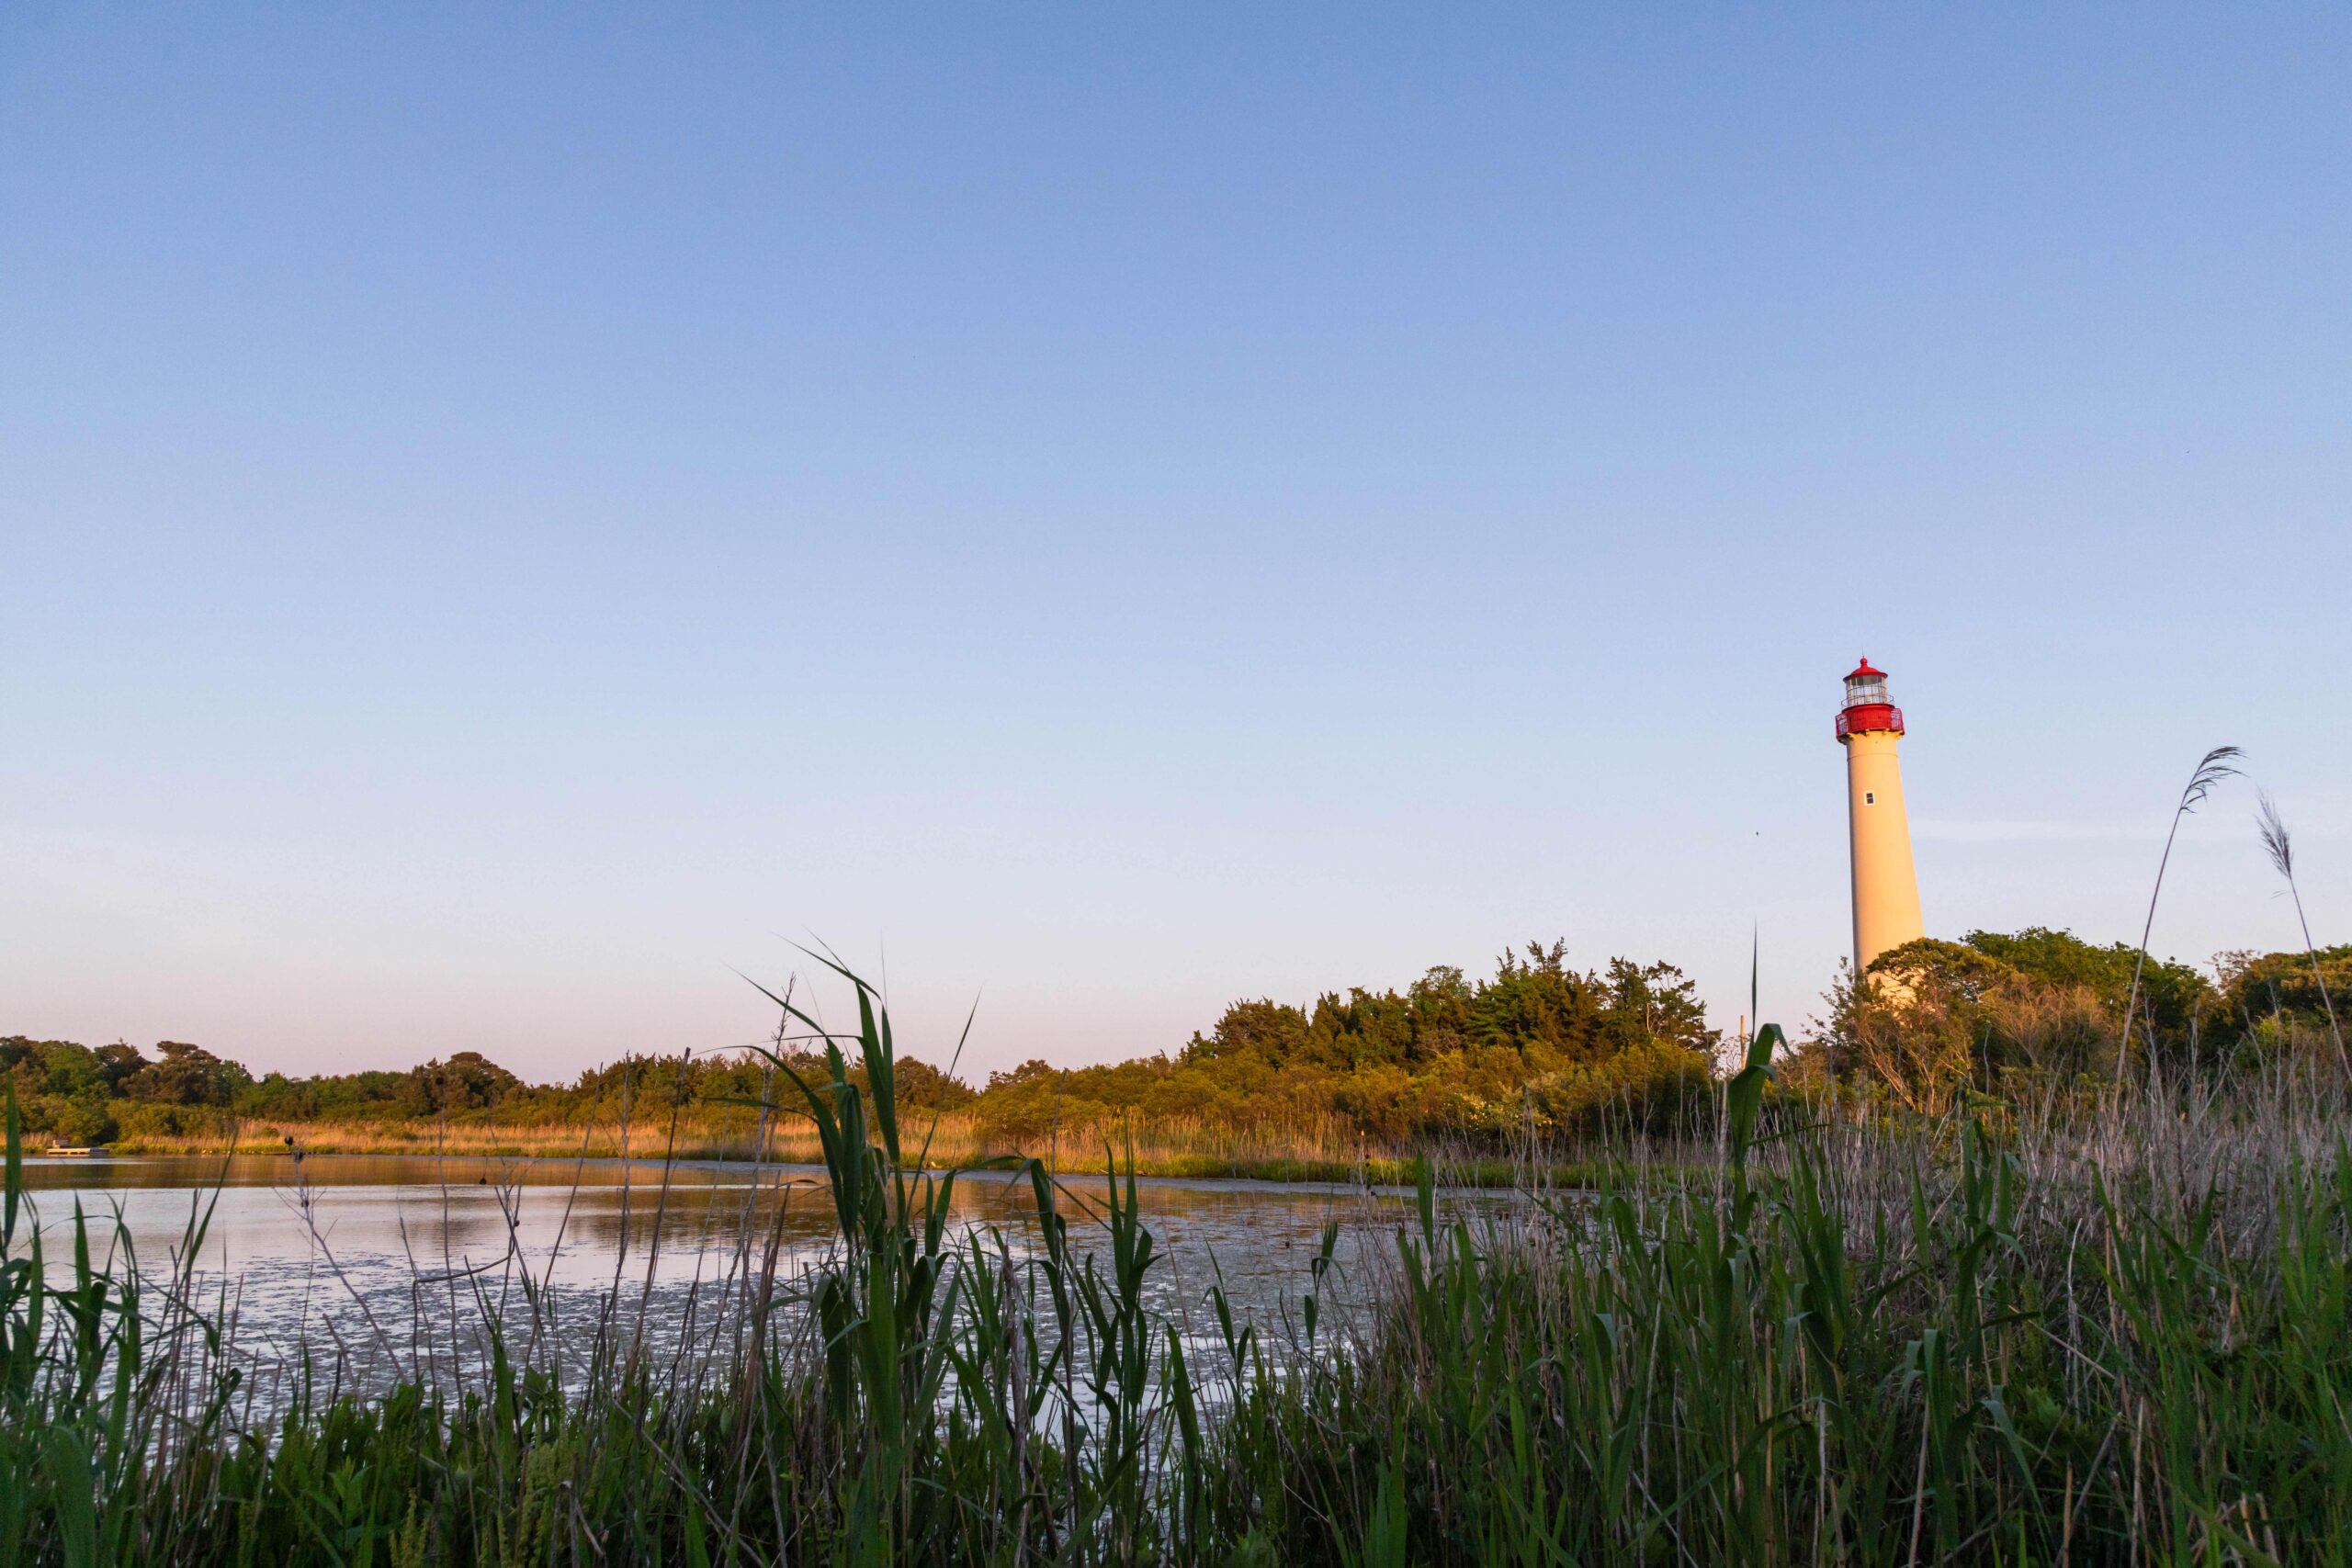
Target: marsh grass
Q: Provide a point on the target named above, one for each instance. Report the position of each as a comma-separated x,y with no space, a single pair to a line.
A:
2104,1331
1169,1147
958,1139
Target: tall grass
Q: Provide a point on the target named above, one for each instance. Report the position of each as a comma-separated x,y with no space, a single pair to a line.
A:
1172,1148
1297,1149
2127,1339
2212,770
2103,1334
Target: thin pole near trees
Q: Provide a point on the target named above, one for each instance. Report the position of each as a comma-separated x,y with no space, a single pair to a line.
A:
2216,765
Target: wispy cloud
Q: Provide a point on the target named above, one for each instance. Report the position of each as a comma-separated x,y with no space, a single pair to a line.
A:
2222,828
1958,832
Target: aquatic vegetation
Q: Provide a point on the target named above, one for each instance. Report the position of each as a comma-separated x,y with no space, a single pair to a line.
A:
2118,1331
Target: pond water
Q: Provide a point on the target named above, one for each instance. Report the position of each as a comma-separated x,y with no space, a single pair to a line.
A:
381,1267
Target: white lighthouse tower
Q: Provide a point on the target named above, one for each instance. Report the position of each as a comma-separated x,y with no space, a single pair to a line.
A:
1887,888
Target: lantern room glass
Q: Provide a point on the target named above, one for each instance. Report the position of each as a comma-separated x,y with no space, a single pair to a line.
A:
1862,689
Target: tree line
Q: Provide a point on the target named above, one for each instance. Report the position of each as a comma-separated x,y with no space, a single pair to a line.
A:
1538,1047
1538,1039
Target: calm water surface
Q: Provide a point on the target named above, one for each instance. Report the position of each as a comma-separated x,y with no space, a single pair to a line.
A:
386,1266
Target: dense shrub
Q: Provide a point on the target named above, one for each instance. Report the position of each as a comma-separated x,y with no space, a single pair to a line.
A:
1935,1019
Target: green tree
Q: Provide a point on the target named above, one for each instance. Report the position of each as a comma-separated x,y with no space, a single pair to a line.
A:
2173,995
1269,1032
72,1070
184,1075
84,1119
467,1081
2276,1002
117,1063
1656,1002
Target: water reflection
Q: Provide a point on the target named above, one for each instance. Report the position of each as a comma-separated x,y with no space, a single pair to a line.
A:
387,1265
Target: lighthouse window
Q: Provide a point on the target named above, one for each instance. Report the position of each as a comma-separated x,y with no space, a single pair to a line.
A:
1870,797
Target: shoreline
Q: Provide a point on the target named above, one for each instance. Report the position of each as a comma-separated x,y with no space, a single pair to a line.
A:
1378,1175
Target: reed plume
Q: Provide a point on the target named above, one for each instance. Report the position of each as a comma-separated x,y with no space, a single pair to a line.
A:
2280,845
2211,769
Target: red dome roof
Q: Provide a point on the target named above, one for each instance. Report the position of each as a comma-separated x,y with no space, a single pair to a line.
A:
1864,670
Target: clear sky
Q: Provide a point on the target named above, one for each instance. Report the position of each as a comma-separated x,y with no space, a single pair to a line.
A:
510,512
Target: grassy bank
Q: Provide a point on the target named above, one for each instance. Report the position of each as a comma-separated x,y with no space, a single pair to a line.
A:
2120,1334
955,1140
1317,1152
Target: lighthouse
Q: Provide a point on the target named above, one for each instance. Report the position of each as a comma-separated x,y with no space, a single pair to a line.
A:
1886,888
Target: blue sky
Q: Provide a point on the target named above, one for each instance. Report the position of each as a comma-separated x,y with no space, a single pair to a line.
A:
510,512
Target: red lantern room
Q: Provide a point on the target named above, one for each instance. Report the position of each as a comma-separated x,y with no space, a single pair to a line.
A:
1867,709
